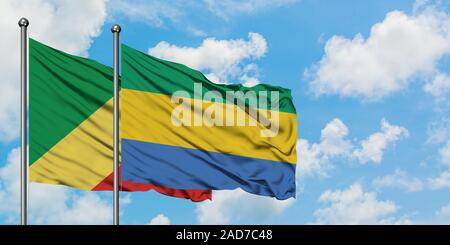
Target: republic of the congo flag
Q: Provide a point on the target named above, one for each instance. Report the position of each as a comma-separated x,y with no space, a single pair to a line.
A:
71,129
182,131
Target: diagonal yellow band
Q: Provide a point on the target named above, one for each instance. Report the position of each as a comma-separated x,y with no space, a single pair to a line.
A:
83,158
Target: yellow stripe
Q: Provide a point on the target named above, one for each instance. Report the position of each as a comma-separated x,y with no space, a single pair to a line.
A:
83,158
146,117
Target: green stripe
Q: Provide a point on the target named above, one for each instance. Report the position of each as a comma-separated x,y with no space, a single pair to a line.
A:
64,91
143,72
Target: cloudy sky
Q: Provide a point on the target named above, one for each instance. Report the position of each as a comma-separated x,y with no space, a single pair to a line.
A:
370,81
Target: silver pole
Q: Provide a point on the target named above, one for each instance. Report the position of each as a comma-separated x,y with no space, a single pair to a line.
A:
23,23
116,30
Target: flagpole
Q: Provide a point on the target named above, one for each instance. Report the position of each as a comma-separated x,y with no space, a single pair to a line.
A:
23,23
116,30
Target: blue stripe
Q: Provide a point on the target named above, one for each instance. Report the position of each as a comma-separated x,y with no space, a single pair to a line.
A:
184,168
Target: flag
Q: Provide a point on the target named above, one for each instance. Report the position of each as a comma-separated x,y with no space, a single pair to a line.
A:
182,131
71,124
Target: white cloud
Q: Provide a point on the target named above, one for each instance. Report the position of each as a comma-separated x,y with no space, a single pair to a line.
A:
228,8
441,181
219,68
160,219
439,131
397,49
51,204
439,134
439,86
59,205
250,75
444,211
9,183
445,153
399,179
313,159
332,138
66,25
231,206
373,147
249,81
154,13
354,206
178,13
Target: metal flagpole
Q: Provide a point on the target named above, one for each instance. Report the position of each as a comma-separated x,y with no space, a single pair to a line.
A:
23,23
116,30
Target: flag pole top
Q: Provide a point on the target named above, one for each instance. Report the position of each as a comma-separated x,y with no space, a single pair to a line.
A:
23,22
116,28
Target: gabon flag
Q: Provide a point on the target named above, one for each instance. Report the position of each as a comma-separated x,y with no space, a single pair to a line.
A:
71,125
182,131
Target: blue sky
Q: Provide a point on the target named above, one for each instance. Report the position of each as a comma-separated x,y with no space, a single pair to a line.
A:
370,81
